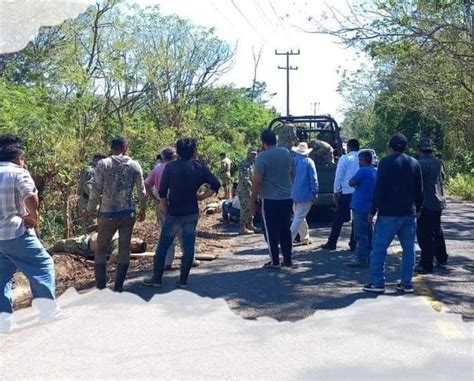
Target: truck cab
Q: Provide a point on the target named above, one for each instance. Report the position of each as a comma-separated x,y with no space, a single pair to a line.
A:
321,132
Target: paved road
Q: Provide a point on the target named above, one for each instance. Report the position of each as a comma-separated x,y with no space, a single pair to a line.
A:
322,281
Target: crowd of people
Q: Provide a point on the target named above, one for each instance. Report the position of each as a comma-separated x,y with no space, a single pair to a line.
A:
278,182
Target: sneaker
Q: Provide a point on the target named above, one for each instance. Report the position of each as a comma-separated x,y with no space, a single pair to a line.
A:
419,269
196,263
328,246
442,265
245,231
150,282
407,289
371,288
182,286
302,243
359,264
288,264
271,265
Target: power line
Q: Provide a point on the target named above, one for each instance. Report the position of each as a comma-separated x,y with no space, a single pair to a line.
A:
276,14
262,13
222,14
287,68
243,15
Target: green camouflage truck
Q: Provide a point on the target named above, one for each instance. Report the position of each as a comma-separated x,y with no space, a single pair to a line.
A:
322,133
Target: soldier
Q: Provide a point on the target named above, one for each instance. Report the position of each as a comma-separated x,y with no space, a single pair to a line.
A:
86,244
225,176
244,189
85,187
286,135
323,153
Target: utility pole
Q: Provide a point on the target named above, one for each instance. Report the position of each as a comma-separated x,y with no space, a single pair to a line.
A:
287,68
314,105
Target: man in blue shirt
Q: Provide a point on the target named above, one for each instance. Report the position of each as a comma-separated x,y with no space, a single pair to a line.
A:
305,190
364,183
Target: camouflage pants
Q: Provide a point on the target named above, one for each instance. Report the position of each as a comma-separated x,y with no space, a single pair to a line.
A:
89,221
246,216
76,245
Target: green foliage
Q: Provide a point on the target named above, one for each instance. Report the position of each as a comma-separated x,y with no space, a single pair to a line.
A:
119,69
462,186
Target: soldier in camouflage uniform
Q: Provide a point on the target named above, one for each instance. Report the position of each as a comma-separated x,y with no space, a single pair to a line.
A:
244,189
286,135
323,153
85,187
85,245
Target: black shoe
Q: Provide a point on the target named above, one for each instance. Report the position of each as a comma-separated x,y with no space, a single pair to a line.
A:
287,264
407,289
328,246
100,275
419,269
442,265
371,288
359,264
120,275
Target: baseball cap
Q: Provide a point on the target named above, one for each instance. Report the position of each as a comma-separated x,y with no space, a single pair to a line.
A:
398,142
425,144
253,150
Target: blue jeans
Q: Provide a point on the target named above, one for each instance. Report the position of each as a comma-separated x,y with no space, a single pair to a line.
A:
362,234
27,254
169,230
229,211
386,228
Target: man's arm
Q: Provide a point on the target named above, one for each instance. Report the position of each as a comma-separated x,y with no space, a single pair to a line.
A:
141,193
355,179
378,191
418,187
27,191
340,170
97,187
313,178
256,189
164,188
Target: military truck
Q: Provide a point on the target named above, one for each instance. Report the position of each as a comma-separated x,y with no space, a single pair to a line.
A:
322,133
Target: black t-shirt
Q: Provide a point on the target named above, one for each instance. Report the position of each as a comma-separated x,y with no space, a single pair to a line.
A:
180,182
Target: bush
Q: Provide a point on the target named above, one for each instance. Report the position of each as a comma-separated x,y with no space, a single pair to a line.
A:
462,186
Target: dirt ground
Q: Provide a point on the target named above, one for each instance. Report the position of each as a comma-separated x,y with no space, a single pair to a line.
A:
78,272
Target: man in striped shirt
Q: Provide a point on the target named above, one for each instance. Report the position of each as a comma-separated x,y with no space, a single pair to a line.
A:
20,249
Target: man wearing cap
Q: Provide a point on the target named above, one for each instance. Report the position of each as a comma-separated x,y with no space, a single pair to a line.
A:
429,233
305,190
244,190
398,198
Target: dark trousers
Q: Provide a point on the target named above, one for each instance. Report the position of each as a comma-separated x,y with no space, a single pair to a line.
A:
277,221
431,239
106,228
342,214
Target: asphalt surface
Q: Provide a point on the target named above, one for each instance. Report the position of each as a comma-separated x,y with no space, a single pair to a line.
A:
321,279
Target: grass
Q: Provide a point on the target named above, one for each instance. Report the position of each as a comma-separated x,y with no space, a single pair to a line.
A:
462,185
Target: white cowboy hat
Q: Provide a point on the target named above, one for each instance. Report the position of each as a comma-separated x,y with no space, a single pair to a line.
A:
302,149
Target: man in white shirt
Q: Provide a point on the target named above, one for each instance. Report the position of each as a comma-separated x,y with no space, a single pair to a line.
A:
347,167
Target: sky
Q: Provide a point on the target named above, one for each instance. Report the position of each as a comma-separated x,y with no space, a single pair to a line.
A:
276,24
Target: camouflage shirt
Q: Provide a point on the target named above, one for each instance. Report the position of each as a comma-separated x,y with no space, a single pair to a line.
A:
245,174
85,182
286,135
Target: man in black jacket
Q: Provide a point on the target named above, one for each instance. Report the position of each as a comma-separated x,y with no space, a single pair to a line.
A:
429,233
398,198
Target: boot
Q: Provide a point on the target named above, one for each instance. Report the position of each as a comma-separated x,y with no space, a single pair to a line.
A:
120,275
244,231
254,228
100,275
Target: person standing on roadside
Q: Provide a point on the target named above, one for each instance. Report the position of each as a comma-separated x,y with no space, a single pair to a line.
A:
20,248
114,181
305,191
225,175
429,233
244,190
398,199
272,182
361,204
180,182
347,166
286,135
84,189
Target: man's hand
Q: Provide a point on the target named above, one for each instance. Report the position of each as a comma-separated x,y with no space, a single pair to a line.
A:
31,219
141,215
370,218
336,197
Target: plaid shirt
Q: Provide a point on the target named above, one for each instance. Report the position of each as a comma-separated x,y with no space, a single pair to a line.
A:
16,185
